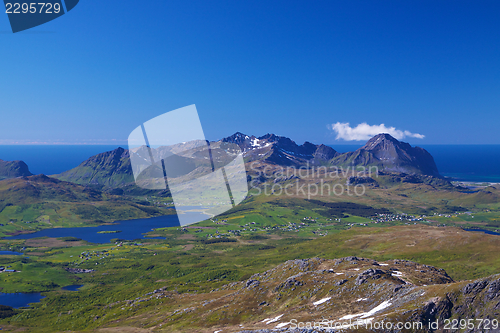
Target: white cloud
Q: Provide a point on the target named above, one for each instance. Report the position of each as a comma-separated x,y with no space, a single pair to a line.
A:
364,132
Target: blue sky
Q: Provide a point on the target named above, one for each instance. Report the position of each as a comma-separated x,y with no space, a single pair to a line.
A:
292,68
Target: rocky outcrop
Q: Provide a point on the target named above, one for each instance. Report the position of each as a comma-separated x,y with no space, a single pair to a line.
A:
79,270
13,169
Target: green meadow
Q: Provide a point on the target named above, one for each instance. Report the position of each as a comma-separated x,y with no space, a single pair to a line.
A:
257,235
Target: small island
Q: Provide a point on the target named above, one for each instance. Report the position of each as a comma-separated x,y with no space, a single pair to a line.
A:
109,231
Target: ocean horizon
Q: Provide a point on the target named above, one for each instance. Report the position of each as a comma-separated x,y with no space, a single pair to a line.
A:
475,163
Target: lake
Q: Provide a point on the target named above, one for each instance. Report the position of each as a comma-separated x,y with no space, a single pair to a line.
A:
489,232
11,253
130,229
73,287
18,300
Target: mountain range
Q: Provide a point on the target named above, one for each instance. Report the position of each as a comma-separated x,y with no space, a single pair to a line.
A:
281,150
113,168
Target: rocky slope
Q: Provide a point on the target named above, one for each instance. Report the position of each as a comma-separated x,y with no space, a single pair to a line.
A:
338,292
109,169
13,169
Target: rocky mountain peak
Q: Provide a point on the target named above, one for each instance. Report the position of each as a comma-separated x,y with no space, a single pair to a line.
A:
112,157
237,138
390,154
381,141
110,168
280,150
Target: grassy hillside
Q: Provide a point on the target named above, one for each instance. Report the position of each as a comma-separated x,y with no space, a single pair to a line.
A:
167,281
38,202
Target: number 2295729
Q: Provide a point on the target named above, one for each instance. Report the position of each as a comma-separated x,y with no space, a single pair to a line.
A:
32,8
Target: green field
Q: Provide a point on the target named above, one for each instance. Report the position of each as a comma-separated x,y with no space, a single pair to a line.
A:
210,254
418,222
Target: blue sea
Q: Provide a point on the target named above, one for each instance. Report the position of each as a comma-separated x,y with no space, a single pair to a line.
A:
480,163
51,159
461,162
